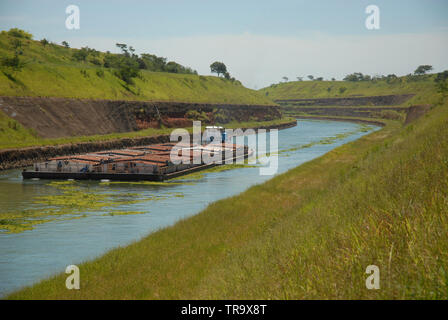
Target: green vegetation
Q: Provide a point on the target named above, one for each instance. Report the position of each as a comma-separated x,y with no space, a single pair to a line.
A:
441,81
17,33
423,86
357,76
38,68
423,69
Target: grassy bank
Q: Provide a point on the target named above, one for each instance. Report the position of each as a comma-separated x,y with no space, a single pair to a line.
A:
423,87
51,71
14,135
308,233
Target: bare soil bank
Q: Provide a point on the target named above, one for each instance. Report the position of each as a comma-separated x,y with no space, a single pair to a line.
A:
62,117
389,100
373,122
16,158
416,112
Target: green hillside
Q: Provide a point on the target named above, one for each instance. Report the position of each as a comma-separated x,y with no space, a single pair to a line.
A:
48,69
423,86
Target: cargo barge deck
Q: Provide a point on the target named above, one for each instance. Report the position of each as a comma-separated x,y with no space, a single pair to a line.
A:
142,163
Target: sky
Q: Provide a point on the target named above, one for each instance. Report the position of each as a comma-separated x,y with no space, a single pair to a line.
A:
259,41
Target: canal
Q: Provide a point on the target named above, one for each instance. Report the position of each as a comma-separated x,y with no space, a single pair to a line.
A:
53,224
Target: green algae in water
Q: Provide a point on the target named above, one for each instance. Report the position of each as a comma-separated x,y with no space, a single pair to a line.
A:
74,200
145,183
122,213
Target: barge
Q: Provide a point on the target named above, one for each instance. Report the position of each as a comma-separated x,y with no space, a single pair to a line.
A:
150,163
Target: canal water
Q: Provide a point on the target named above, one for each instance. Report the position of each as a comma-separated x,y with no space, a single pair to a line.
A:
75,221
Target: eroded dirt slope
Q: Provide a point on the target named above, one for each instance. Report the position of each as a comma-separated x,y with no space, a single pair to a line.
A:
62,117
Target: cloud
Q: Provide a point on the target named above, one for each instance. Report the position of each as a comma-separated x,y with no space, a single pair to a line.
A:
259,60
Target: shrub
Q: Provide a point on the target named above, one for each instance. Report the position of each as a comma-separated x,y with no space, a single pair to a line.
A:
84,73
220,116
127,70
357,76
196,115
18,33
342,90
96,61
13,62
80,55
441,82
388,114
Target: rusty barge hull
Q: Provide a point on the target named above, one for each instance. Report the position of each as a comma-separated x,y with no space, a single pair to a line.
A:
91,176
111,176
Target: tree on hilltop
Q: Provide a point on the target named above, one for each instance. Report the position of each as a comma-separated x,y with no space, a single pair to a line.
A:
218,67
421,70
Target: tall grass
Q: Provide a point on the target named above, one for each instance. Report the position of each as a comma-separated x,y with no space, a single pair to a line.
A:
309,233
